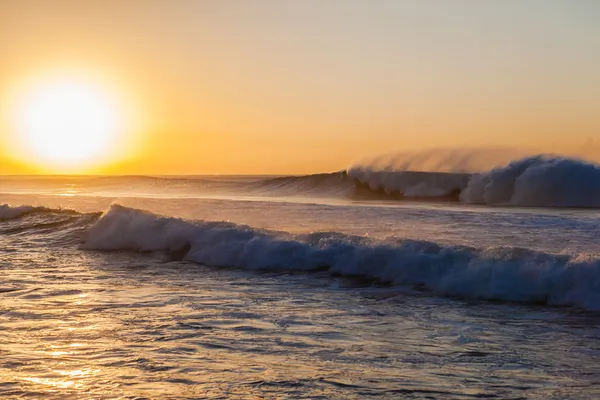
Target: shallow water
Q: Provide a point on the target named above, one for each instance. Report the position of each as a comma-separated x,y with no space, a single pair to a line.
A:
113,325
80,323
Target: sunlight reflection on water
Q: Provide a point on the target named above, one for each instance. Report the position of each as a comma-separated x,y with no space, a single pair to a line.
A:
113,325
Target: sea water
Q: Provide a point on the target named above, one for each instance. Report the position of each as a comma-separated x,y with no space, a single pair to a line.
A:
263,287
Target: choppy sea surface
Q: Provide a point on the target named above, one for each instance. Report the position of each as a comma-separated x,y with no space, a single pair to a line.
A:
237,287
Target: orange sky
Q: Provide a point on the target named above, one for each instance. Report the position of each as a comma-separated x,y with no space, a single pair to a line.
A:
307,86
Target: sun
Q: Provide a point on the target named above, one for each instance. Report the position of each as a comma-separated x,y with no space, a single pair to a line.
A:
69,124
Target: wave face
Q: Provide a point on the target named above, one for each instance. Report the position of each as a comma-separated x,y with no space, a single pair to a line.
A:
499,273
542,181
335,184
411,184
364,184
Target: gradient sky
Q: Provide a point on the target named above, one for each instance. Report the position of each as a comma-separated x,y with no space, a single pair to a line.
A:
304,86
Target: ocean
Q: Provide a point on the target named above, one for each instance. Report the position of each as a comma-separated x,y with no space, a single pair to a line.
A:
354,284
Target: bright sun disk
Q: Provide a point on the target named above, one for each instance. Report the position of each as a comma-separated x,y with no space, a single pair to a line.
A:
69,124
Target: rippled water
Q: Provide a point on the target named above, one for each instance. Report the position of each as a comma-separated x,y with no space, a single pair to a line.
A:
86,324
118,326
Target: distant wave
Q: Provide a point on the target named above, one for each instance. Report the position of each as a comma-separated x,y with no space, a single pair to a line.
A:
540,181
504,274
333,184
537,181
365,184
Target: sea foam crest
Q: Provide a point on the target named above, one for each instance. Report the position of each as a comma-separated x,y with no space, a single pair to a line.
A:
508,274
537,181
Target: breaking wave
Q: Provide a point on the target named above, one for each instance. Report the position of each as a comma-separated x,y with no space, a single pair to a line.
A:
364,184
500,273
540,181
543,181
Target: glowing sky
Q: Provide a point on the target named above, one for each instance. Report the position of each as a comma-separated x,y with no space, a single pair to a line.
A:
303,86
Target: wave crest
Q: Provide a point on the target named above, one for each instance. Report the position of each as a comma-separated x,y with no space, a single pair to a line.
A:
543,181
507,274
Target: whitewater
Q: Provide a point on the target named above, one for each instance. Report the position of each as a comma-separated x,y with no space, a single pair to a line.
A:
370,282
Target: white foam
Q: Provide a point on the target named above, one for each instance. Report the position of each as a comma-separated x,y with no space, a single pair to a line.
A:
507,274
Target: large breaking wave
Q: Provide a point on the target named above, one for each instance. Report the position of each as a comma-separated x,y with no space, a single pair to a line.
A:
537,181
548,181
499,273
